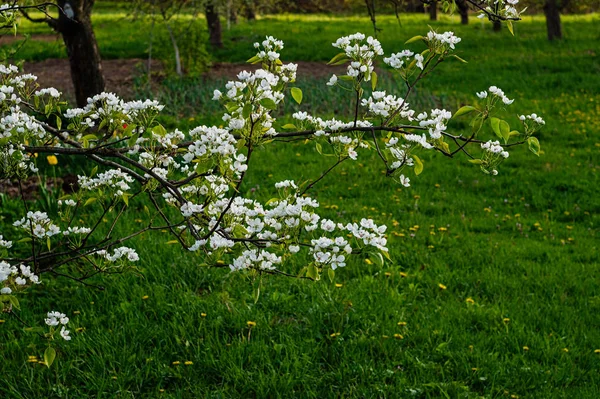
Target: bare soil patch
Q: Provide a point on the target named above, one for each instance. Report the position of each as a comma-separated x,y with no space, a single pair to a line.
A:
10,39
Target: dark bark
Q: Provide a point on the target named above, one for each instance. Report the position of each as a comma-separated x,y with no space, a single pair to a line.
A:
553,24
214,25
250,10
82,48
497,25
463,10
233,16
433,11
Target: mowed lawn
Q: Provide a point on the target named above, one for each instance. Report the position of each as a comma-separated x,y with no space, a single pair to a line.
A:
493,290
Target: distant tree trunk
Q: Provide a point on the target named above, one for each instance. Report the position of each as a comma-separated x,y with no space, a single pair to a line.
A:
553,25
233,16
433,10
463,10
250,10
214,25
75,25
497,26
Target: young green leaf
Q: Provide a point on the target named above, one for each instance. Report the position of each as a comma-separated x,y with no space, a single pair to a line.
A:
418,165
534,145
464,110
297,94
49,356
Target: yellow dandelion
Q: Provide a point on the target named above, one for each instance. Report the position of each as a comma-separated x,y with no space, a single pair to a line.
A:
388,274
442,286
597,351
176,363
506,320
52,160
470,301
339,285
526,348
398,336
474,369
145,297
202,314
368,261
402,274
401,323
188,363
77,312
335,334
565,350
251,323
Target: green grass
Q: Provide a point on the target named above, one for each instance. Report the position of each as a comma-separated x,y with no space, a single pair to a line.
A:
523,245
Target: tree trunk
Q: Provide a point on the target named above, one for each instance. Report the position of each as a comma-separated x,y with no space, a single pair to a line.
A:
497,25
553,25
433,11
214,25
75,25
250,10
463,10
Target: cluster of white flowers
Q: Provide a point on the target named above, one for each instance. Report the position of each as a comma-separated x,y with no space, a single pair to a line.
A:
494,147
436,122
77,230
253,258
367,231
189,208
397,60
51,91
113,178
38,224
326,127
446,40
361,54
503,8
68,202
4,243
533,117
55,319
119,253
381,104
498,93
270,48
327,251
15,277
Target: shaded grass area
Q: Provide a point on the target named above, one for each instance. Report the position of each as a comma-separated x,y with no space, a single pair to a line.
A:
522,246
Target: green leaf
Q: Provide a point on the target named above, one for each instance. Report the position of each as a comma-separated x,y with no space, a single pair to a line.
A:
337,58
464,110
373,80
495,123
312,272
159,130
289,126
510,27
268,103
331,274
90,201
14,301
49,356
58,122
253,60
505,131
340,62
476,161
534,145
48,243
458,58
345,77
319,148
297,94
247,110
414,39
94,171
418,165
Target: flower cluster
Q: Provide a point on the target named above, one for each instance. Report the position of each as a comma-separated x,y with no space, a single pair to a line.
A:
12,277
436,122
55,319
360,54
494,154
497,94
442,42
113,179
380,104
38,224
502,8
130,254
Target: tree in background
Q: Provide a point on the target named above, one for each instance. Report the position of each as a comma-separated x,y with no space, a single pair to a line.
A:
463,10
74,23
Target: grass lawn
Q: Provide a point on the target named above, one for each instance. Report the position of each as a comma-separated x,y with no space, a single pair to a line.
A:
494,289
